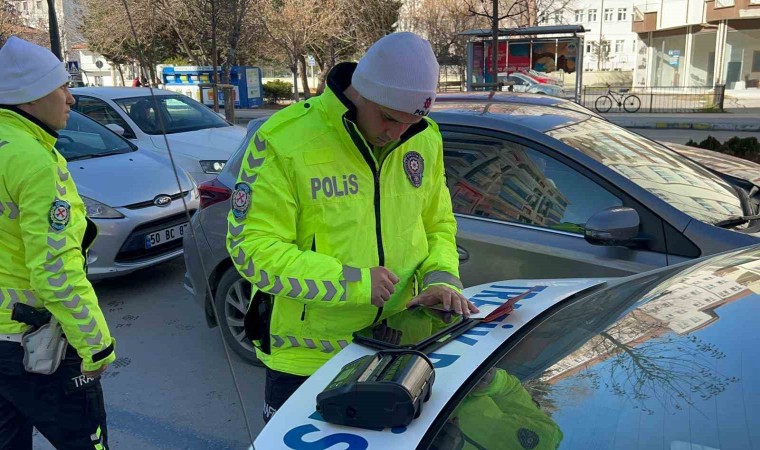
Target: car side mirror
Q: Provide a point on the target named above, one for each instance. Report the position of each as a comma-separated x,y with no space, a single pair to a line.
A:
116,129
618,225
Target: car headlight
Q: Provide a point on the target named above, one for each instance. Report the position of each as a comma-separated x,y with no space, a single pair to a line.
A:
97,210
213,165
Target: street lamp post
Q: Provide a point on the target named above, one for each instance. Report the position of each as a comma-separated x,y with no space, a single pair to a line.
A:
55,38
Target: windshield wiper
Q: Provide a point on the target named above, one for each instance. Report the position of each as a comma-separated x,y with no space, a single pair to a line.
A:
97,155
77,158
736,220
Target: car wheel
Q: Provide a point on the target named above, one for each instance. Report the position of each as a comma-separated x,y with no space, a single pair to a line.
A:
232,297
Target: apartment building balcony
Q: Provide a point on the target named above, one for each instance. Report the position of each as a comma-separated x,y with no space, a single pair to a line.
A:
732,9
664,15
645,17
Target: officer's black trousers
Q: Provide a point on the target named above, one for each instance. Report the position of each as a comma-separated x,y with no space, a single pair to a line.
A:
65,407
278,388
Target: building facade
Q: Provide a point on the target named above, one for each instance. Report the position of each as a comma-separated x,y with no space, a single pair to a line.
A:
698,43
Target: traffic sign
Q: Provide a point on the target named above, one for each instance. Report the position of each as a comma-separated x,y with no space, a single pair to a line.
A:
73,67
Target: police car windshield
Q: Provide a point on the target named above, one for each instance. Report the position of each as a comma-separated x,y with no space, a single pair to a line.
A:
175,114
84,138
661,359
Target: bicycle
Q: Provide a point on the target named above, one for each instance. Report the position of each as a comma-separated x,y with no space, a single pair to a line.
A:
629,102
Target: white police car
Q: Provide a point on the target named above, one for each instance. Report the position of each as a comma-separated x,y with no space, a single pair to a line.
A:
666,359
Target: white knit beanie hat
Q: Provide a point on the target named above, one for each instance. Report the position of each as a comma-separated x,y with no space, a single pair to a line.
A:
400,72
28,72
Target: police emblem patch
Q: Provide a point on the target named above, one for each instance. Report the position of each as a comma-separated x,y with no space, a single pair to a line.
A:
528,438
414,166
60,214
241,200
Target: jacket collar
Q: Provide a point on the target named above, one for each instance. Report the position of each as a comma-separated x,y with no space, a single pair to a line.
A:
29,123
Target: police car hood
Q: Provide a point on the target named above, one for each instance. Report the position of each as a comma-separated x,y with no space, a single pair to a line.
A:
207,144
298,425
126,178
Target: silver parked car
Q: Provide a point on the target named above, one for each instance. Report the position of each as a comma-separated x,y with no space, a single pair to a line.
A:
130,194
538,192
201,141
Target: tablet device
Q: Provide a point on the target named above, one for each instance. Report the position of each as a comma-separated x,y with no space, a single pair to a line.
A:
379,336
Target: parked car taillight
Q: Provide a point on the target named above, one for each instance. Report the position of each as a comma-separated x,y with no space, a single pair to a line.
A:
213,192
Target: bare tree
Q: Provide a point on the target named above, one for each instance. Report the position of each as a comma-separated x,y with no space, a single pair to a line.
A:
440,22
647,368
295,25
357,26
12,24
109,31
601,51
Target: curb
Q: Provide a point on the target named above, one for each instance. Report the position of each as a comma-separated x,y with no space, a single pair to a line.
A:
751,127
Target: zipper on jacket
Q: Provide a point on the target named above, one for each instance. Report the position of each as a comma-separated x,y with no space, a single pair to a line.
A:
366,153
303,314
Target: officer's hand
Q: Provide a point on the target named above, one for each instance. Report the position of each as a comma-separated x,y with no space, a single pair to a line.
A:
95,373
383,285
448,298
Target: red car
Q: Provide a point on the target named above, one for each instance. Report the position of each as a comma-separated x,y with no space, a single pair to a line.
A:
539,78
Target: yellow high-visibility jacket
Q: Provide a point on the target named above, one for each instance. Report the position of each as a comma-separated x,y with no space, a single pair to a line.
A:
503,415
314,210
42,229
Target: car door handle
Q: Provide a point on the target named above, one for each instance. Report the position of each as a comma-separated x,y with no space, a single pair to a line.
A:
464,255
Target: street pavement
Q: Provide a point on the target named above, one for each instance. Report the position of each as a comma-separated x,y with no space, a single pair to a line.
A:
170,386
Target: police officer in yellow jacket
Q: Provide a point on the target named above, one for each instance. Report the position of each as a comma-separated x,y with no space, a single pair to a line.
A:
342,214
499,414
44,235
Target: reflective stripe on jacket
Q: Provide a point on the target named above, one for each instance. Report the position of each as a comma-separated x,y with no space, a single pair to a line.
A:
314,210
42,226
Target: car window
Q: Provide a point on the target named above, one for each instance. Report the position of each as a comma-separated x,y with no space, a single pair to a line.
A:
518,81
502,180
84,138
102,113
175,114
663,360
663,172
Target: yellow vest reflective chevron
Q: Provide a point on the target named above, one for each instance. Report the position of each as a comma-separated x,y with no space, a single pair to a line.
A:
314,210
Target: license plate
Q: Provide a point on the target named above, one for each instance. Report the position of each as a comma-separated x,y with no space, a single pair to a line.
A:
161,237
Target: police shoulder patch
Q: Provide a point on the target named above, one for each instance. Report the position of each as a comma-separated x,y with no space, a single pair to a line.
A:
414,166
241,200
528,438
60,214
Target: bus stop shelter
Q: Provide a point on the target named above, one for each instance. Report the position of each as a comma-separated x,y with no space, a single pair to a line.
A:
556,50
